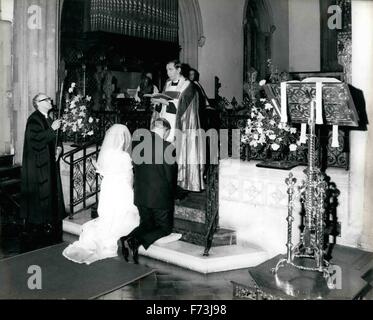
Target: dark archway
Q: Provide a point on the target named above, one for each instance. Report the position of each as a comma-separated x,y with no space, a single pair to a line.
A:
258,28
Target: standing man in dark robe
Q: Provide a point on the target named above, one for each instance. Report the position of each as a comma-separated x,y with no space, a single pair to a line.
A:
203,100
42,205
182,112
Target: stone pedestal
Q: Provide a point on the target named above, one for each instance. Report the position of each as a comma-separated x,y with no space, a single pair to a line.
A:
254,202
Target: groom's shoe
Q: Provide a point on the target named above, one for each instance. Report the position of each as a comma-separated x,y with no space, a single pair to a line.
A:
125,250
134,246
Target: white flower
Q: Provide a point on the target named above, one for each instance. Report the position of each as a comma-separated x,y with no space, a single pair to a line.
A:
82,114
293,147
272,136
90,133
263,99
275,146
74,128
254,143
260,130
262,139
88,98
262,82
268,106
82,108
293,130
256,136
79,121
73,85
71,90
90,120
272,122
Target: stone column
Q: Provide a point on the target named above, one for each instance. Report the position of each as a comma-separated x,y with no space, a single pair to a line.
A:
361,170
5,86
35,58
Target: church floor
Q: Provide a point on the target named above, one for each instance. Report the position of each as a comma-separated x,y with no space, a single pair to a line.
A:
171,282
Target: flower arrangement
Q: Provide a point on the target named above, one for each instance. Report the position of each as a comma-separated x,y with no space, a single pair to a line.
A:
265,132
76,119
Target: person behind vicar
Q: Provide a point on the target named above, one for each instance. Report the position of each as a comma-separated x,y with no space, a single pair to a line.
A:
182,112
42,205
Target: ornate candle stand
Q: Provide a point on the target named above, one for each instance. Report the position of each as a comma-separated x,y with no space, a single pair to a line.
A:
312,193
332,103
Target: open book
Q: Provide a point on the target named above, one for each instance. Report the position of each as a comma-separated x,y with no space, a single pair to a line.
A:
169,95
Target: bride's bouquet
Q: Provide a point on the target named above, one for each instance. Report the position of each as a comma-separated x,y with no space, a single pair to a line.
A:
77,119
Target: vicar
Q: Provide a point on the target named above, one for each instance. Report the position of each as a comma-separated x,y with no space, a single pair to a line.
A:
182,111
42,206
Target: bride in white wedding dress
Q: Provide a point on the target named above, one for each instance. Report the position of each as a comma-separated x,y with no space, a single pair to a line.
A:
118,216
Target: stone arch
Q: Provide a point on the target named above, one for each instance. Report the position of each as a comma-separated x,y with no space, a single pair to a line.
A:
258,27
190,31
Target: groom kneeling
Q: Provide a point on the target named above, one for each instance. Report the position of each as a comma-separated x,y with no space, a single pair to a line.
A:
154,188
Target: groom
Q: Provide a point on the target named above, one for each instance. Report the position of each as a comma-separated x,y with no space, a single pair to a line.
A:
154,190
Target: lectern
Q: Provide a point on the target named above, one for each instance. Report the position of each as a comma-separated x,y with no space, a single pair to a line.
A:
311,103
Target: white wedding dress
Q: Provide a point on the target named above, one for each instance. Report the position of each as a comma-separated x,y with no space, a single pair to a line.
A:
118,216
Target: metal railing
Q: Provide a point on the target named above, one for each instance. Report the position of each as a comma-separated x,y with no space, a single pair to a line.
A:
84,181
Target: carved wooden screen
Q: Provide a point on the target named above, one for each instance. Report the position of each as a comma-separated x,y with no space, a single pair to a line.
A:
150,19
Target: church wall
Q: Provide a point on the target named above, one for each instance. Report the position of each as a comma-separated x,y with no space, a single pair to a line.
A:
304,35
361,171
6,143
222,54
280,37
35,59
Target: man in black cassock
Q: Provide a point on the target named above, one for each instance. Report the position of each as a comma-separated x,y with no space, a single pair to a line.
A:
42,205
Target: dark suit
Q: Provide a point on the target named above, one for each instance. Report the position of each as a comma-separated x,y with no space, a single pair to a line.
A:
154,193
42,204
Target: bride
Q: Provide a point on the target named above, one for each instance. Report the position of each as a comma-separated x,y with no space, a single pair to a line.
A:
118,216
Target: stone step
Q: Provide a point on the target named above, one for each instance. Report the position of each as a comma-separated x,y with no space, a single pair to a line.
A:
194,232
186,255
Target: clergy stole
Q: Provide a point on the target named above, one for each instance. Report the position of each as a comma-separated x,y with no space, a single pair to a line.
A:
169,112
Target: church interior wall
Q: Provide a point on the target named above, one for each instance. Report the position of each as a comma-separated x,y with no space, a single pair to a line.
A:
304,35
361,142
280,40
6,17
222,54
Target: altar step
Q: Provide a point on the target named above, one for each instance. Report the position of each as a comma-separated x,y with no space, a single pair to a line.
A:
190,221
187,255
